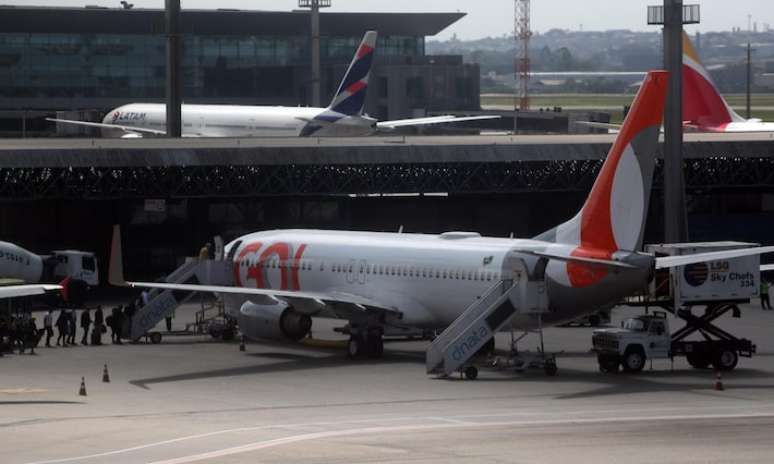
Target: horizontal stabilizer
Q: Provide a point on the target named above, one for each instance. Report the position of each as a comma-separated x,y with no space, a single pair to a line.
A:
13,291
674,261
387,125
606,263
600,125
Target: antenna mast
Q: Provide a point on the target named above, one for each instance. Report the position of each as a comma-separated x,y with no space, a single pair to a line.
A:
522,34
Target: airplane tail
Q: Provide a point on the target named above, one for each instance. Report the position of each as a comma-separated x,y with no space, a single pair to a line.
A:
702,103
350,98
613,216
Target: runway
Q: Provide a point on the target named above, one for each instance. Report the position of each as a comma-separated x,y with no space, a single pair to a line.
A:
195,400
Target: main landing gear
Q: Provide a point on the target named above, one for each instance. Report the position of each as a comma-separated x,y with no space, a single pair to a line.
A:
369,342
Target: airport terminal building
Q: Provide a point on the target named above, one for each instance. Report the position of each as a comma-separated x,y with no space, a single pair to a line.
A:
93,59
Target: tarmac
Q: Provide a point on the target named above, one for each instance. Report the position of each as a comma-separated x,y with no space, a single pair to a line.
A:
195,399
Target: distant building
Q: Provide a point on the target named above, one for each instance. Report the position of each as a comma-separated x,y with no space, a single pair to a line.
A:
98,58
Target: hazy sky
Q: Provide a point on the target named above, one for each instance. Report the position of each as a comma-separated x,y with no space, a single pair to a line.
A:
495,17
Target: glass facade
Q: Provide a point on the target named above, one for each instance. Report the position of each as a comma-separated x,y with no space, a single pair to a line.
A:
133,66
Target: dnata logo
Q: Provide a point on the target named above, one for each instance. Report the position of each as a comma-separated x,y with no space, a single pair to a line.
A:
470,342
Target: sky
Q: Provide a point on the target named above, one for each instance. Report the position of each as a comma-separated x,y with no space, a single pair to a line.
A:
495,17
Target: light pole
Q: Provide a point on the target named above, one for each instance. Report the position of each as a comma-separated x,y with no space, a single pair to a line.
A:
672,15
314,7
174,97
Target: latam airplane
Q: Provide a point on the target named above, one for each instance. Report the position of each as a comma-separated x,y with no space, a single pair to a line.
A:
343,117
376,281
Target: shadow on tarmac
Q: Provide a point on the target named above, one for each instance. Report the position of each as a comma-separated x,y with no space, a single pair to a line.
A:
289,362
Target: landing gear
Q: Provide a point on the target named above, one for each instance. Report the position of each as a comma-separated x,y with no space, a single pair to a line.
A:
371,345
471,372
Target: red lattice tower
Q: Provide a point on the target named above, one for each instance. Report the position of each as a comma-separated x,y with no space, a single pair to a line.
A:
522,34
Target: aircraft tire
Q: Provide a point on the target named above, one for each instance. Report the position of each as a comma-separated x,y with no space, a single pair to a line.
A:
698,360
471,372
355,347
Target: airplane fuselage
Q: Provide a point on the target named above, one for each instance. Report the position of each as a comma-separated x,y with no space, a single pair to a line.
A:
429,279
241,121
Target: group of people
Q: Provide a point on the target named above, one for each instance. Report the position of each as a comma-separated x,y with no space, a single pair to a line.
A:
21,332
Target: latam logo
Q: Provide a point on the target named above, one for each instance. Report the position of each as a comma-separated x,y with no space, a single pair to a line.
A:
128,116
251,264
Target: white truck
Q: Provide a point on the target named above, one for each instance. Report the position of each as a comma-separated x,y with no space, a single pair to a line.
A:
23,265
648,337
717,287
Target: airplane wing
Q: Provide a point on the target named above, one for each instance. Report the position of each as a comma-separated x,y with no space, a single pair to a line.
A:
100,125
394,124
600,125
607,263
12,291
673,261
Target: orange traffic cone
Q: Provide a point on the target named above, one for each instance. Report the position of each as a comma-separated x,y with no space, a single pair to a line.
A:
718,381
105,375
82,391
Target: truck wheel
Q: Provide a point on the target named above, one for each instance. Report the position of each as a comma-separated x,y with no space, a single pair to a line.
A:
471,372
155,338
725,360
698,360
633,360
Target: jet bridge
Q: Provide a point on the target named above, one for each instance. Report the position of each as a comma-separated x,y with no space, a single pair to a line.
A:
521,292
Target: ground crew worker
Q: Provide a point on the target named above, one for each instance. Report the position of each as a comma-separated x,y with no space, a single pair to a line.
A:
61,327
765,303
48,325
204,253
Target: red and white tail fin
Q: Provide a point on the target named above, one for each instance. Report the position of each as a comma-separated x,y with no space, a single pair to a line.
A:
703,106
613,216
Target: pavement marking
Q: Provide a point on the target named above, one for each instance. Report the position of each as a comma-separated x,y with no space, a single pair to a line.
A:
260,445
22,391
458,421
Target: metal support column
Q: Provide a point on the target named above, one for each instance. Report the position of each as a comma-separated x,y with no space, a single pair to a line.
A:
174,97
314,8
672,15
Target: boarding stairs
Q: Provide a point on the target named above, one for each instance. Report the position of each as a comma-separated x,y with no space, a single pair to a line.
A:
490,313
161,302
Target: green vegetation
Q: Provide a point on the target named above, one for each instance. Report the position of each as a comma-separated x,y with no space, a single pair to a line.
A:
762,103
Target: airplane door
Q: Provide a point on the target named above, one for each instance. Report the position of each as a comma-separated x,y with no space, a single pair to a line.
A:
351,278
361,276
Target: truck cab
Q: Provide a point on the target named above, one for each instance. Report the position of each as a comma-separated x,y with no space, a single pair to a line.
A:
639,339
78,265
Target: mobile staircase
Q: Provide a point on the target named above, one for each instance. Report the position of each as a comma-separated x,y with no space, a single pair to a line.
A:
457,346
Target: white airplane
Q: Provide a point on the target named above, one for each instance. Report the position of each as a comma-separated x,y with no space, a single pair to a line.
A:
377,281
704,108
343,117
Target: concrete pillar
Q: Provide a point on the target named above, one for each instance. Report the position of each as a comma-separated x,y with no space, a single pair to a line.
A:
174,85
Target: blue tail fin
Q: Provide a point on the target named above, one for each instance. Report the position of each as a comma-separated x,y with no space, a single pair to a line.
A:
350,98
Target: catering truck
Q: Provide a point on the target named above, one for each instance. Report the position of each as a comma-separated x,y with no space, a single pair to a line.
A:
713,288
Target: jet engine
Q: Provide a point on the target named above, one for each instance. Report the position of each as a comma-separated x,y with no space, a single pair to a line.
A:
276,321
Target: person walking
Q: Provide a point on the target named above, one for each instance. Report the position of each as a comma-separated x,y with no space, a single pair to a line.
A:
72,325
85,324
48,326
61,327
764,293
99,326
